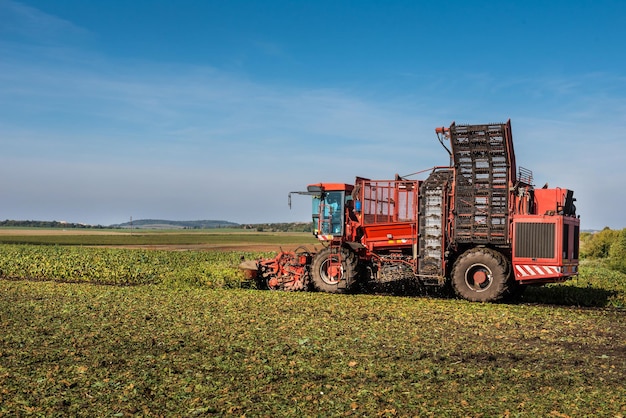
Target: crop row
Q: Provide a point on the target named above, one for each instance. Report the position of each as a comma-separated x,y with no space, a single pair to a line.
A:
122,266
596,286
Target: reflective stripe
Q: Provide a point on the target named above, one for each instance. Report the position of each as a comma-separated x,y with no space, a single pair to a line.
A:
529,270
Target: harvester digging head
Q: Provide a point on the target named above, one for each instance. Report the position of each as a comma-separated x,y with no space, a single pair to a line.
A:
288,271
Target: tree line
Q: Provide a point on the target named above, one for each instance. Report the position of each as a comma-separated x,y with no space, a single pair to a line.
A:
45,224
281,227
266,227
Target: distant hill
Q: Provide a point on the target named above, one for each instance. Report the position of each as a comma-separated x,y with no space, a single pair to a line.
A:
165,224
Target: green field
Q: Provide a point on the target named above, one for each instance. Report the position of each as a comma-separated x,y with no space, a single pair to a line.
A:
176,336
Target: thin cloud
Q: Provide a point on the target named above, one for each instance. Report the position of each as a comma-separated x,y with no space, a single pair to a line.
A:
35,25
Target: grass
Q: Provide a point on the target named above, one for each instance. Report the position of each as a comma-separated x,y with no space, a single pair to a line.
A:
596,285
87,350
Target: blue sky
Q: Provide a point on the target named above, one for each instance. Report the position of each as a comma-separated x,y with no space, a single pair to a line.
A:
217,109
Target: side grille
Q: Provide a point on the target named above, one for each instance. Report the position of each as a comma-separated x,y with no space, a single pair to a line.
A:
534,240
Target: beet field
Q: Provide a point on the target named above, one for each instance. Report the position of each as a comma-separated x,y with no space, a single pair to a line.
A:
136,329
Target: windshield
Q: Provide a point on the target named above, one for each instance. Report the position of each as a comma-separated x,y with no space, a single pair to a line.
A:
328,212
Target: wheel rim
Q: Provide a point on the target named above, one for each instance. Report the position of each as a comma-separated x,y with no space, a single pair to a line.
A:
330,273
478,277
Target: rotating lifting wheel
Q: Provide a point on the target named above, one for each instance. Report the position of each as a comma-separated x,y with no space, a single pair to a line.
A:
272,283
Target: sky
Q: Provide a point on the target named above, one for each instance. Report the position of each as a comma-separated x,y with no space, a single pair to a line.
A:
206,109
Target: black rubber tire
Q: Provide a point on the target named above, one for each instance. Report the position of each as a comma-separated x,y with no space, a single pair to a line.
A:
481,275
323,281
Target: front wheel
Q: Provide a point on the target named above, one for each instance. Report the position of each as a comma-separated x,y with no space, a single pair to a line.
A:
481,275
334,270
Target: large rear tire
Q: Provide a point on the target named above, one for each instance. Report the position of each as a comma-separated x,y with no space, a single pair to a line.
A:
481,275
334,270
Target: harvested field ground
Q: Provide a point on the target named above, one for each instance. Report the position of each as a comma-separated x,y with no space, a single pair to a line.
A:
71,349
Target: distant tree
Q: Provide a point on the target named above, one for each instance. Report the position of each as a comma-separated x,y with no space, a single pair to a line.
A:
598,245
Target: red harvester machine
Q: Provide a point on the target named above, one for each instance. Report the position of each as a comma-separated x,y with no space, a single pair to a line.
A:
478,225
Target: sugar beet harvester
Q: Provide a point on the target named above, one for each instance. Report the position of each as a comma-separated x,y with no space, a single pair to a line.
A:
478,225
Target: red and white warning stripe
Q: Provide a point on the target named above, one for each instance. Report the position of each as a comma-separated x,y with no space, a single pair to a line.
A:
530,270
325,237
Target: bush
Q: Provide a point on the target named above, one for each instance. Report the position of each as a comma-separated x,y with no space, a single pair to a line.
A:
617,252
597,245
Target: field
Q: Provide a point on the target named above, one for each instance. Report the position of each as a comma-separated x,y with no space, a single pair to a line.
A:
218,239
185,341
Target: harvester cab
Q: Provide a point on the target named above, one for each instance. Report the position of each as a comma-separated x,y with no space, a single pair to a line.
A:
329,209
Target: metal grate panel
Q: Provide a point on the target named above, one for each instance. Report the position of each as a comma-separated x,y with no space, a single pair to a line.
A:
433,209
534,240
483,161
